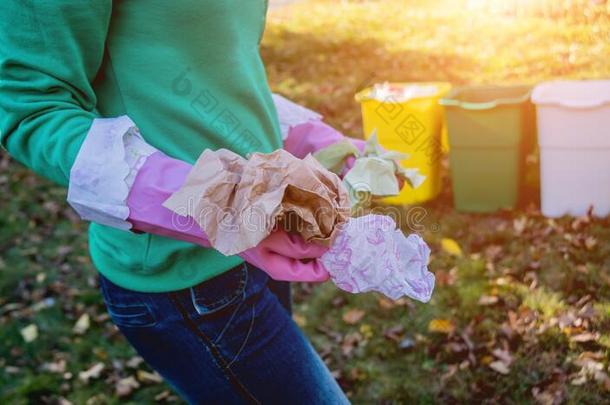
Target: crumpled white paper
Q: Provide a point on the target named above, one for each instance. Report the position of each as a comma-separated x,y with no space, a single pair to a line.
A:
375,170
370,254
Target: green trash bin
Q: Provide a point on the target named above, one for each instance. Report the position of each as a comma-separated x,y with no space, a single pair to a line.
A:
489,129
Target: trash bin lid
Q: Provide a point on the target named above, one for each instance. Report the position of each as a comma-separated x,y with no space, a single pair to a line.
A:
403,92
486,97
573,94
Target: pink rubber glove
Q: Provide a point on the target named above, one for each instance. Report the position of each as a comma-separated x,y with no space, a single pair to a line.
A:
287,257
281,255
312,136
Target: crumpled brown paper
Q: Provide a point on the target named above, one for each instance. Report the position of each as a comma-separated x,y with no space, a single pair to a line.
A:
237,202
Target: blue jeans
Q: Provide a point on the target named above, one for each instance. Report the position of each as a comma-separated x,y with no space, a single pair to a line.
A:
227,340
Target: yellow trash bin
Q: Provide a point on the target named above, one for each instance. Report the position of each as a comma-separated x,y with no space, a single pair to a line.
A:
409,119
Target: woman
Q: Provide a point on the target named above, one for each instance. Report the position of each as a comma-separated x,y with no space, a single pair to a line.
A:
115,99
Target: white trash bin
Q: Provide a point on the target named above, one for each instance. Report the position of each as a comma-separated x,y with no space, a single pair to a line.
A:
574,139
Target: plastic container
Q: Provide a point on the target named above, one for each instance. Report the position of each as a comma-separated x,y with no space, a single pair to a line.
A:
488,129
574,141
413,125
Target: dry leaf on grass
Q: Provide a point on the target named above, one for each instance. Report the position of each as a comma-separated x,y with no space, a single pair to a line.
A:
150,378
83,323
451,247
126,386
441,326
353,316
584,337
488,300
499,367
92,373
29,333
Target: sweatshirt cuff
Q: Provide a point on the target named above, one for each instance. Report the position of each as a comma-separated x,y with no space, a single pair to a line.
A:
105,169
291,114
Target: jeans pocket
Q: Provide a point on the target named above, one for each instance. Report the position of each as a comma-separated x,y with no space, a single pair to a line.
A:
220,292
228,309
126,308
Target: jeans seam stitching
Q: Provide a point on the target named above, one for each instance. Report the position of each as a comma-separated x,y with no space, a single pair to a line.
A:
214,351
243,294
224,329
243,345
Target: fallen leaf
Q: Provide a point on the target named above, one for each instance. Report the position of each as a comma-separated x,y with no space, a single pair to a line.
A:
591,355
126,386
584,337
394,333
366,330
406,343
82,324
602,378
451,247
11,370
587,311
503,355
552,395
386,303
590,242
134,362
519,225
299,320
580,380
456,347
350,342
101,318
92,373
29,333
441,326
13,306
353,316
146,377
162,396
488,300
499,367
54,367
338,301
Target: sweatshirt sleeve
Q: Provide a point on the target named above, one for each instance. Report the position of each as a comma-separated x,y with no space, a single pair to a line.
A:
50,53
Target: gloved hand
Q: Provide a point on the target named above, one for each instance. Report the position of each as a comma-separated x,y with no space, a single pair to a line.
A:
281,255
304,132
287,257
313,135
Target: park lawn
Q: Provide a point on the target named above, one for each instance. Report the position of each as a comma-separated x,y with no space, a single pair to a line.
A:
522,306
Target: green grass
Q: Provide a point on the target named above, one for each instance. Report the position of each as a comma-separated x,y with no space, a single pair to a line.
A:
550,287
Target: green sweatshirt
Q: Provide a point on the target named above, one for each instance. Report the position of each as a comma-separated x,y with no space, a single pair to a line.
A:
187,72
